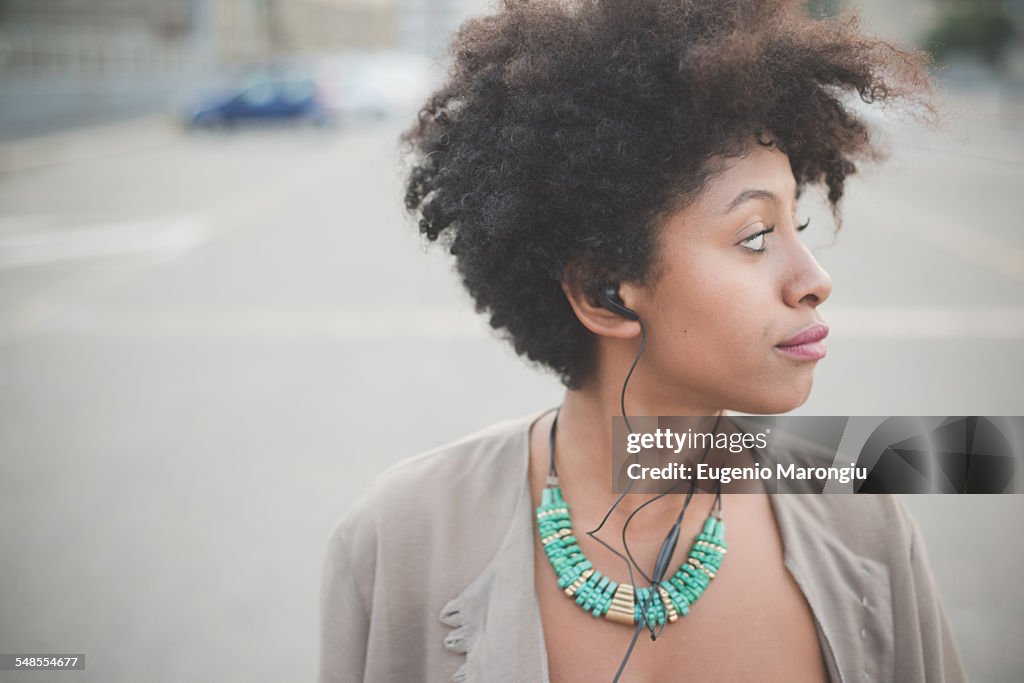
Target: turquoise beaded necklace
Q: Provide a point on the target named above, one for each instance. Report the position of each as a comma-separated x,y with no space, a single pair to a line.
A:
603,597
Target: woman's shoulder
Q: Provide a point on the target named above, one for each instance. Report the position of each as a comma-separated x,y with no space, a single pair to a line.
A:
476,479
873,524
870,523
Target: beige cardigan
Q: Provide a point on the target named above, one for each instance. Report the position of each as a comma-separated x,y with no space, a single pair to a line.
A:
429,576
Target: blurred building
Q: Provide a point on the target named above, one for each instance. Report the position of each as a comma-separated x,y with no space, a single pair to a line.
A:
118,36
78,62
39,37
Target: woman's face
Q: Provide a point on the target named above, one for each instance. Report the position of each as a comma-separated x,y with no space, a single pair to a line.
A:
730,295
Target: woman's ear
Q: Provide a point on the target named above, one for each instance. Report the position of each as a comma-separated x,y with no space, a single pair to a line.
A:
596,317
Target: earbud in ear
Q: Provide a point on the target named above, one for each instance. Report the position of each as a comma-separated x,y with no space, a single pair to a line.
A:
608,297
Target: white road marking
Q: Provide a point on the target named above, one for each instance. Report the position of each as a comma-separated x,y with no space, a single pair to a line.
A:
167,237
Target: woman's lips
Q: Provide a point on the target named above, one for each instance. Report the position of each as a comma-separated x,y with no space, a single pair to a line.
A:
808,344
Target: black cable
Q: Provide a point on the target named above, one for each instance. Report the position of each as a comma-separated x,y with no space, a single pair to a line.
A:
668,546
592,533
686,502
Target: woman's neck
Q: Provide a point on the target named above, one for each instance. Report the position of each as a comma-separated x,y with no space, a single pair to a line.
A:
583,458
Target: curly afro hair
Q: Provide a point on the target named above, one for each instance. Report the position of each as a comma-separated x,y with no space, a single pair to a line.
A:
568,130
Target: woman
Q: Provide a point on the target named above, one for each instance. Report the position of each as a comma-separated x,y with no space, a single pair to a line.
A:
617,180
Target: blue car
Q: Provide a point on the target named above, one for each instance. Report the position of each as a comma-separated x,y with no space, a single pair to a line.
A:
262,100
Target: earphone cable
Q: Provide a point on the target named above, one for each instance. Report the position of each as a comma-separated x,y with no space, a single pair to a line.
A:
667,546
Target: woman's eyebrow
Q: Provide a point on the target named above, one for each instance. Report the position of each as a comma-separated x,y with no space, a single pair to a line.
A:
747,195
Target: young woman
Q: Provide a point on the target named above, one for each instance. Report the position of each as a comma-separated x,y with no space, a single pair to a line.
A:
618,183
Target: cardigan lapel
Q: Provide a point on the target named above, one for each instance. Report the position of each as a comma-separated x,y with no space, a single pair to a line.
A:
848,594
497,617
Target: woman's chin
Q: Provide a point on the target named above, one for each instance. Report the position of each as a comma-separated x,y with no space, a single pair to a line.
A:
777,400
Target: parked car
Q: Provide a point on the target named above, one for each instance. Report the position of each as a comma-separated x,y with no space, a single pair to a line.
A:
266,98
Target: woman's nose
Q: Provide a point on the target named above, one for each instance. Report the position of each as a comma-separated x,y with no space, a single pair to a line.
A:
808,283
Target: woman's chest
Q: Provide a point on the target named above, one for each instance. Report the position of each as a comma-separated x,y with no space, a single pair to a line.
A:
752,623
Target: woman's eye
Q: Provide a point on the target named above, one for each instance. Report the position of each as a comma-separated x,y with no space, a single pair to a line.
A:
755,242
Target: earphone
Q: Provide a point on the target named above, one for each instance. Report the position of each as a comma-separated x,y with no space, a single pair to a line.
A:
608,297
